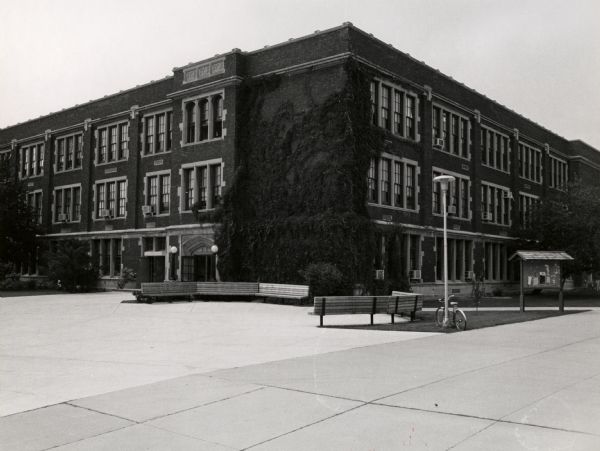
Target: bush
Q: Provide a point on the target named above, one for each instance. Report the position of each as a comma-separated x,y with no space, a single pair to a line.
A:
323,279
497,291
70,266
127,275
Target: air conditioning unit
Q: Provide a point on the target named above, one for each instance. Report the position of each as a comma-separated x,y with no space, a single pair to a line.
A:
507,195
379,274
106,213
438,143
451,209
415,274
469,275
148,210
63,217
486,216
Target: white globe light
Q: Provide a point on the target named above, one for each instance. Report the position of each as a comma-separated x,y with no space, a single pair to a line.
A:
214,248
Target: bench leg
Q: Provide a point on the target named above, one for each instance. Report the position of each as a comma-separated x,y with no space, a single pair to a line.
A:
413,315
321,320
371,319
392,318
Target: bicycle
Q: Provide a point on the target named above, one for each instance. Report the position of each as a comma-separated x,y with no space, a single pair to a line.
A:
456,317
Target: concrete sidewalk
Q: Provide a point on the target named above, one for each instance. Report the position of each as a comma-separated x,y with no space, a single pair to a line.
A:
533,386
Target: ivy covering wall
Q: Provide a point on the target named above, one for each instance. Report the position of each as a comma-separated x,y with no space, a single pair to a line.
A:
298,196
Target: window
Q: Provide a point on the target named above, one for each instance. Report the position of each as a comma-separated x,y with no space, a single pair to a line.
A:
460,259
158,192
530,163
527,204
385,107
495,261
458,195
374,113
386,195
203,118
218,109
559,171
495,204
34,200
67,204
495,149
158,132
112,143
202,185
372,181
110,198
394,109
149,133
123,140
107,256
453,129
31,160
389,172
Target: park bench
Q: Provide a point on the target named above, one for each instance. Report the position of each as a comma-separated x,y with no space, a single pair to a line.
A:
282,291
404,303
407,303
152,291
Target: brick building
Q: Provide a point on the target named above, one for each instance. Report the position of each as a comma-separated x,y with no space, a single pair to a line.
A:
129,172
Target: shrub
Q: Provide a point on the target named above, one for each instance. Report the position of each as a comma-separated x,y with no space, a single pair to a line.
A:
324,279
127,275
497,291
70,266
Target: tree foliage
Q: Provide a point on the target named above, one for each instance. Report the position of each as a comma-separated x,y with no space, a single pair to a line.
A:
299,194
18,227
568,221
70,266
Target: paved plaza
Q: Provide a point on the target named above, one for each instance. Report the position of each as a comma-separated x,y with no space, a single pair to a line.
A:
92,373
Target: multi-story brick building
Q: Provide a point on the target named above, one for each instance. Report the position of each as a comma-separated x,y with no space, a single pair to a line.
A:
129,171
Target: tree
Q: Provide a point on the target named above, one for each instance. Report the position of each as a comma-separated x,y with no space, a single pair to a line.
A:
70,266
568,221
18,226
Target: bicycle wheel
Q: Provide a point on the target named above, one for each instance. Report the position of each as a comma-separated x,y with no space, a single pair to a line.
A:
460,320
439,317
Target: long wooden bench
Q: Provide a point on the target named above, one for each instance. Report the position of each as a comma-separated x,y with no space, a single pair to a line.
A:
152,291
278,290
407,303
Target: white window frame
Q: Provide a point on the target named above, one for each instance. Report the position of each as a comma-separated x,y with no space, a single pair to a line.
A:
449,146
62,188
95,197
107,127
404,162
405,92
504,189
195,165
456,183
196,100
146,193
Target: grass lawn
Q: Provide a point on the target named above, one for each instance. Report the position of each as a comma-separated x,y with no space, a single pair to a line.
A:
425,321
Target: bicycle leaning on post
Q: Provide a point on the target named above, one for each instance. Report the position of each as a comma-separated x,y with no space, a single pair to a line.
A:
456,317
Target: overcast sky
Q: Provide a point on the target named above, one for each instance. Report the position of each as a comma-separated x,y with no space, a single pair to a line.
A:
540,58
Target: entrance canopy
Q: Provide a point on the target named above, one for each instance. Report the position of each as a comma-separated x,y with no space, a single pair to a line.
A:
541,255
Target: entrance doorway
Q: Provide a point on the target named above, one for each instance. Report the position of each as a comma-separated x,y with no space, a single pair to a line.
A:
156,269
198,268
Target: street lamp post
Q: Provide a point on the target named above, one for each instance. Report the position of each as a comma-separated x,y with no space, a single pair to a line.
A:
444,181
173,250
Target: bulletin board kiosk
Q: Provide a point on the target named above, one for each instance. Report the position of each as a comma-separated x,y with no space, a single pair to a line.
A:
539,270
